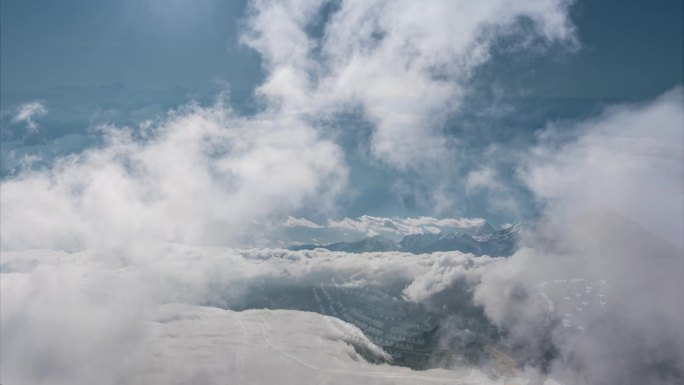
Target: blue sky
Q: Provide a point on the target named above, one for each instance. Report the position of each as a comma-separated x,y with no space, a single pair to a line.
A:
145,45
629,48
124,62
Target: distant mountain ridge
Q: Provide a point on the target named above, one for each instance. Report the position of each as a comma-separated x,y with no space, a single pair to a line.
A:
498,243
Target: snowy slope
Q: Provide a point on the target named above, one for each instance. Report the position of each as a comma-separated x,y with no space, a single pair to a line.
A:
192,344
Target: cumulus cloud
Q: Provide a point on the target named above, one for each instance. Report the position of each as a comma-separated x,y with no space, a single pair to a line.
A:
27,112
406,64
203,176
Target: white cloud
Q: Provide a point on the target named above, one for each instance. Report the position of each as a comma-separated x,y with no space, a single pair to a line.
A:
404,62
301,222
606,263
629,159
371,225
48,294
75,318
441,276
203,176
111,257
595,286
27,112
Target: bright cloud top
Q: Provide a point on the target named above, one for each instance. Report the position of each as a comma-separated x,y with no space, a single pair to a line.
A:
371,225
202,176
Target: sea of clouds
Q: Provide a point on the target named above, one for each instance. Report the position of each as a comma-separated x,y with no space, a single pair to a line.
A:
121,264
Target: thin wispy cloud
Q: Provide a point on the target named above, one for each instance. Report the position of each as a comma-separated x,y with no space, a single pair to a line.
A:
28,112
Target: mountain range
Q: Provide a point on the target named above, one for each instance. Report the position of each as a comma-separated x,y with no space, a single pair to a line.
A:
498,243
